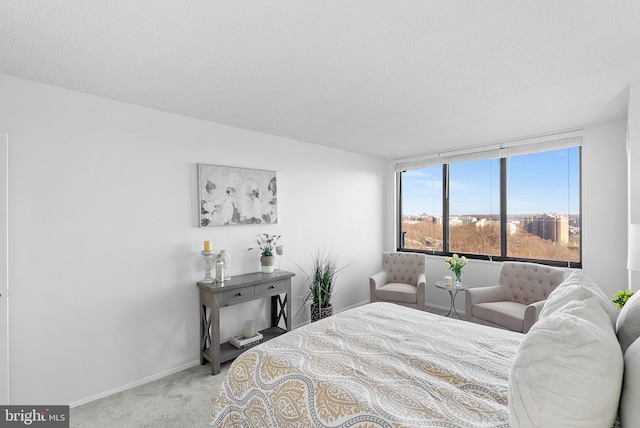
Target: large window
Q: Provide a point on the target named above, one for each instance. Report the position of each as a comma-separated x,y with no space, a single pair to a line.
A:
518,207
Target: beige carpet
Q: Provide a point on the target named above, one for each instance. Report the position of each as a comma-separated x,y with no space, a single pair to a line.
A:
181,400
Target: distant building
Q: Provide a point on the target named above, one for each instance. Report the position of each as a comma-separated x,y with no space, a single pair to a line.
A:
548,226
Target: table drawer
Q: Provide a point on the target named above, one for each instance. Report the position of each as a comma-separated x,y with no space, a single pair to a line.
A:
271,287
231,296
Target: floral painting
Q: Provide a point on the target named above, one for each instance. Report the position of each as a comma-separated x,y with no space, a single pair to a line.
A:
231,195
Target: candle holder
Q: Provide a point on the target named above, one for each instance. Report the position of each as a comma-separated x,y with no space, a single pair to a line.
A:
208,256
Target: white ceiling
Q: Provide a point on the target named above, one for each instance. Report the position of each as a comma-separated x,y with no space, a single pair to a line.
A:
389,78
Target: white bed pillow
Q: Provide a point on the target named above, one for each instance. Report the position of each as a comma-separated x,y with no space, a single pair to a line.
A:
568,370
628,324
630,397
578,286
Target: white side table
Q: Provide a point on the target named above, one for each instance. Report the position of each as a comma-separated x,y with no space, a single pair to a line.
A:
453,292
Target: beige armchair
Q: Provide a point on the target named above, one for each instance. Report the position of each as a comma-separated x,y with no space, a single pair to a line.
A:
402,280
516,302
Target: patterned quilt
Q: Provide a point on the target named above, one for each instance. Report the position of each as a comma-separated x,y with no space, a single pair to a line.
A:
378,365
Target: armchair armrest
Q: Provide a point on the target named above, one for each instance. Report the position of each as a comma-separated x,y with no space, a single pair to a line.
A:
473,296
422,281
422,291
494,293
531,314
376,281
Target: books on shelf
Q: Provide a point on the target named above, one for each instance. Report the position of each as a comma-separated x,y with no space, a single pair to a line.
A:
239,341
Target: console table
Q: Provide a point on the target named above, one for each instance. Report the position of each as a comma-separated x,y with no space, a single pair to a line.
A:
240,289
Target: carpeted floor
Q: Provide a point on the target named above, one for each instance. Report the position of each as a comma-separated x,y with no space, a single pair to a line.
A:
181,400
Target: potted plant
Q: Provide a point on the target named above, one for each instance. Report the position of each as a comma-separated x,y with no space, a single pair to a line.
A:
266,244
621,297
321,279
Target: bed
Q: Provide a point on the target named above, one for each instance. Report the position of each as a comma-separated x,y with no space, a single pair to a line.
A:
385,365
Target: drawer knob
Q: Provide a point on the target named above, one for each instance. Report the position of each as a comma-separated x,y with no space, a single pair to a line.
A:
272,287
239,294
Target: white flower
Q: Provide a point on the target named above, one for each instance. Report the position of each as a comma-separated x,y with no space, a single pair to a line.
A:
217,203
255,200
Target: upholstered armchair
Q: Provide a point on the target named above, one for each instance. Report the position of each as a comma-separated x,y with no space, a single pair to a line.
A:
402,280
516,302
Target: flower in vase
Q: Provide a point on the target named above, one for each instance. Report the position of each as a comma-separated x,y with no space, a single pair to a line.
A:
456,263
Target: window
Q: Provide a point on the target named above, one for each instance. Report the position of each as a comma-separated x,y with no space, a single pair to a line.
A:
474,207
543,205
421,227
507,204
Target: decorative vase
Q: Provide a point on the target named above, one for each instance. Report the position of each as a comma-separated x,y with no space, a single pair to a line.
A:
458,275
226,259
267,263
318,313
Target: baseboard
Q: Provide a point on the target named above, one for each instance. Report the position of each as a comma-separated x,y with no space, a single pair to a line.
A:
168,372
364,302
444,308
195,363
134,384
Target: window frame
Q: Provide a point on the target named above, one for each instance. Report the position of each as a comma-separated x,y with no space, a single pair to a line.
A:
503,220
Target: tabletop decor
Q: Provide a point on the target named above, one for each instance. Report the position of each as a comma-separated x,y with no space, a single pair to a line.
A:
208,255
229,195
219,270
279,252
266,244
456,264
225,256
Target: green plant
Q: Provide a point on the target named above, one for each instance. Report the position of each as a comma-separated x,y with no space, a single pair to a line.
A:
621,297
321,278
266,244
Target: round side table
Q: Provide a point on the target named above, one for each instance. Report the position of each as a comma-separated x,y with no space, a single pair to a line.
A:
453,292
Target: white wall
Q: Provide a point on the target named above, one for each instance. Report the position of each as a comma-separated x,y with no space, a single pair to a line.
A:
634,166
104,244
604,213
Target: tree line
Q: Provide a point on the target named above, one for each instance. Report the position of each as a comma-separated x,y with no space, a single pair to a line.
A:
470,239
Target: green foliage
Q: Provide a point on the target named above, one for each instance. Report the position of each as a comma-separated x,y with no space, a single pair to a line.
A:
321,278
621,297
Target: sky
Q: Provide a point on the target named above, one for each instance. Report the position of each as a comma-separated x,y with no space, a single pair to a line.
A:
546,182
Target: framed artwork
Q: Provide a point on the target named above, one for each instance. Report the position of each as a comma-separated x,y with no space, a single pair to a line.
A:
230,195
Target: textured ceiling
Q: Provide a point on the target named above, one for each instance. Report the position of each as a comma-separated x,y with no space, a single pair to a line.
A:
387,78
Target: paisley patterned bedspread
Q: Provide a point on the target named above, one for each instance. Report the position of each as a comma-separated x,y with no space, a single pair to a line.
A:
378,365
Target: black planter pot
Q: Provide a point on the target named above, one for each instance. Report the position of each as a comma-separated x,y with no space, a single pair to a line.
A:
320,313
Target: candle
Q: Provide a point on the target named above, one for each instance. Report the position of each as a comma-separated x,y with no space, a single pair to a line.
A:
207,245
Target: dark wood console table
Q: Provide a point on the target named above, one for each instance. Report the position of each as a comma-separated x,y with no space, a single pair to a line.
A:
240,289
